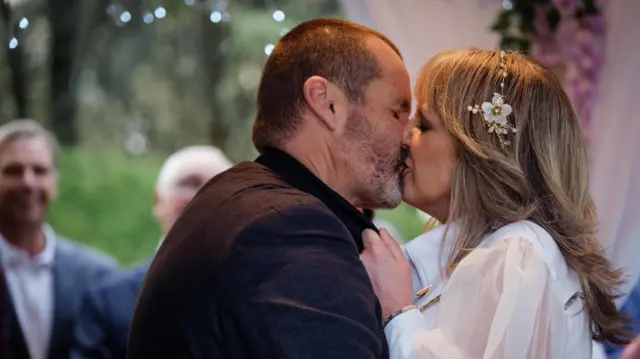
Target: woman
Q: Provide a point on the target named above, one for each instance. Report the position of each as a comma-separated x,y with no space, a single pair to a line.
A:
498,156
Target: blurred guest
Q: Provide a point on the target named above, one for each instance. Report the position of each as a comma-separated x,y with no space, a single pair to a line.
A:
383,223
632,351
632,309
4,318
46,275
103,325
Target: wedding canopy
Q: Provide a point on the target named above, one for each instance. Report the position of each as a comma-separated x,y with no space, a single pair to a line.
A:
422,28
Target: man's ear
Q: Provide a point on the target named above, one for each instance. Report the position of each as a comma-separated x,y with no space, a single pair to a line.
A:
157,210
321,99
56,185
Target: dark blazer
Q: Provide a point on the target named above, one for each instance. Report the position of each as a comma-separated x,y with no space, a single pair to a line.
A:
632,309
75,267
4,318
264,263
103,323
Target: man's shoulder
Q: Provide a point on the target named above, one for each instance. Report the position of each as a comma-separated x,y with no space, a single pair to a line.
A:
125,279
83,255
120,286
250,194
305,217
253,181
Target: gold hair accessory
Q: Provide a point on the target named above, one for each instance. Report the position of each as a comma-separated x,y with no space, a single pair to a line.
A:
495,112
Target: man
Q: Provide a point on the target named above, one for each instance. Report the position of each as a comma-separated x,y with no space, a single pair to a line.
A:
4,318
264,263
103,324
633,350
45,274
632,309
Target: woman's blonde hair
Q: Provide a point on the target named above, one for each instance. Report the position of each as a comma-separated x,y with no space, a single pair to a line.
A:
542,176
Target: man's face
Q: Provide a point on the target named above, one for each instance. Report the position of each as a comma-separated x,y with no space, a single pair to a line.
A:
28,181
189,177
375,134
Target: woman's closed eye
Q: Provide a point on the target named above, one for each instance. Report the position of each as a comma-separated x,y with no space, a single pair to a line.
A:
422,124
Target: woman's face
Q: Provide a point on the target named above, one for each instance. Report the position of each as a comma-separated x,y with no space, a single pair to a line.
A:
431,163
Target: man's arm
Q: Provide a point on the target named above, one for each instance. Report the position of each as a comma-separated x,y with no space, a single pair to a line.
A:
297,289
632,309
90,335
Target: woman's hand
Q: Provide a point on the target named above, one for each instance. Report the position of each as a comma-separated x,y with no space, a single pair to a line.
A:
388,269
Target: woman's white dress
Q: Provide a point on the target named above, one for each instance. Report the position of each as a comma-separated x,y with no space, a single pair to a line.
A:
513,297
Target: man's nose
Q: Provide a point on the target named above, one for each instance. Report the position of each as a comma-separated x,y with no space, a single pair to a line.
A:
406,135
28,178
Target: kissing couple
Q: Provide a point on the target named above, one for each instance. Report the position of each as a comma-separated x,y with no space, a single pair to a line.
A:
273,259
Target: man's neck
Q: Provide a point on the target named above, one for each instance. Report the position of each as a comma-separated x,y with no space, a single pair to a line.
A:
319,159
30,238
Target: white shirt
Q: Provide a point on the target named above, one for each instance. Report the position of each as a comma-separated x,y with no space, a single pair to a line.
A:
509,298
30,283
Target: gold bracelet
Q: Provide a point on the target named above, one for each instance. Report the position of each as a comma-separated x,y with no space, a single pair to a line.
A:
401,311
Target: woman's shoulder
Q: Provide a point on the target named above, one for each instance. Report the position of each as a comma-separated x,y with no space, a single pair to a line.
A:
532,235
566,280
529,232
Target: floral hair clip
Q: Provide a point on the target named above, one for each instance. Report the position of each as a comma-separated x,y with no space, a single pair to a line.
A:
495,112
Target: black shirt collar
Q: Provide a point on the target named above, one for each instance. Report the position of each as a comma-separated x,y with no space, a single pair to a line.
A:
303,179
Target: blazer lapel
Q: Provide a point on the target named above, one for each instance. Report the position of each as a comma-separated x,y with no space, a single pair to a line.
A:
62,303
17,345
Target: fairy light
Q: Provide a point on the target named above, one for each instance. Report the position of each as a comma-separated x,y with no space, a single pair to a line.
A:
160,12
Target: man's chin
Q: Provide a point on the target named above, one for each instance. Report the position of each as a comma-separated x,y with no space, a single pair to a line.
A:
29,217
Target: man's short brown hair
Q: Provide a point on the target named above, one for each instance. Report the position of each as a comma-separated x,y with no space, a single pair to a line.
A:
331,48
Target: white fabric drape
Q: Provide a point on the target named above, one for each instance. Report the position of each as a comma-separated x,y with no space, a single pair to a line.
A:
615,140
421,28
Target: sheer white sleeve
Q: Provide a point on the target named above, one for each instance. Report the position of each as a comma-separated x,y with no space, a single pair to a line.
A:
499,304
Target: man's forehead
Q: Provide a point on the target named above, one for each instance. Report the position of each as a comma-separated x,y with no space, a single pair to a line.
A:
27,149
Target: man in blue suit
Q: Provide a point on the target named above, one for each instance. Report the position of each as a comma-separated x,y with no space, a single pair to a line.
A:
103,325
44,275
632,309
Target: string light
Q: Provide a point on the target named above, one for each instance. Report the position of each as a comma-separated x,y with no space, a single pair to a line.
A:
148,18
125,17
24,23
278,16
269,49
216,16
160,12
13,43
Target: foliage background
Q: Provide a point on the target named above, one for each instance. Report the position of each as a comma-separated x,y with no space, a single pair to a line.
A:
105,201
121,93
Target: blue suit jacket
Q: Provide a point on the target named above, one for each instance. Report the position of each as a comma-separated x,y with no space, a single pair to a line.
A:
103,323
75,268
632,308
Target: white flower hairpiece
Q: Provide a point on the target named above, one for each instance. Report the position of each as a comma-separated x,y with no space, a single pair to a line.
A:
495,112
